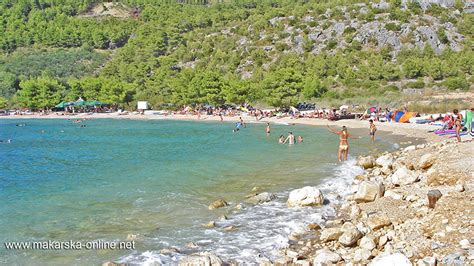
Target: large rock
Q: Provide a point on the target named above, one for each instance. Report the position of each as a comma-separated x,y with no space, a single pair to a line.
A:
367,243
403,176
201,259
325,257
426,161
330,234
362,255
385,161
350,235
366,162
306,196
368,191
396,259
261,198
218,204
377,222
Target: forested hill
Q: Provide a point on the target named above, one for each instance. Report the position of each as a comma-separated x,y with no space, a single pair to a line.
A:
196,52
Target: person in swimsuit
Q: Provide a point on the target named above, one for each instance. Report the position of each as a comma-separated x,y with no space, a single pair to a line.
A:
300,139
290,138
372,130
457,123
281,139
343,150
267,129
238,125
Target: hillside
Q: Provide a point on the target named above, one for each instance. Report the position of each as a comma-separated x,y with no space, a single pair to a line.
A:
268,52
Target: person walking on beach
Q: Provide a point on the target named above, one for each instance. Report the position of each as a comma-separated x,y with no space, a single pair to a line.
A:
372,130
290,138
343,150
242,122
222,119
267,129
457,123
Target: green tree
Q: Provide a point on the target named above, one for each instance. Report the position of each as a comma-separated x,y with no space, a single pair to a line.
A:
40,93
282,88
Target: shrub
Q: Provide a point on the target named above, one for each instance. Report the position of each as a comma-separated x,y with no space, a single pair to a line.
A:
455,83
419,84
392,26
331,44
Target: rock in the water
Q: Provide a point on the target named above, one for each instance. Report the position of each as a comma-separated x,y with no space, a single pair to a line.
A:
261,198
403,176
433,196
396,259
410,148
218,204
202,258
192,245
426,161
169,251
369,191
367,243
366,162
325,256
385,160
306,196
330,234
111,263
377,222
314,226
210,224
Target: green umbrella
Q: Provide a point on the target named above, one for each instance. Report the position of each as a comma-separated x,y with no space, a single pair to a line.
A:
93,103
61,105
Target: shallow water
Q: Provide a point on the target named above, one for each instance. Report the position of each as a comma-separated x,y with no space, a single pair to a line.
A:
155,179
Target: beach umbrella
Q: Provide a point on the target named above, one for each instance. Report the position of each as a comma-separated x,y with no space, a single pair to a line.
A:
92,103
61,105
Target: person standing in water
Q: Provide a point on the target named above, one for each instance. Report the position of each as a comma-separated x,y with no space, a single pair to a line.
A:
242,122
281,139
457,123
300,139
290,138
372,130
267,129
343,150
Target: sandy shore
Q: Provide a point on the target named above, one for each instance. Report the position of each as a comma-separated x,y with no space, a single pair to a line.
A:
419,131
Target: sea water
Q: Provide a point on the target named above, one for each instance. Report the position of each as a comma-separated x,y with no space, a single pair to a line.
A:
152,181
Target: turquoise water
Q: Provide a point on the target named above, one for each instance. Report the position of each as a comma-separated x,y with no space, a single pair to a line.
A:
155,179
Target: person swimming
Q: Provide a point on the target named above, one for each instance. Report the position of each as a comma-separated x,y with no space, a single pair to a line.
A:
7,141
267,129
238,125
343,150
300,139
281,139
290,138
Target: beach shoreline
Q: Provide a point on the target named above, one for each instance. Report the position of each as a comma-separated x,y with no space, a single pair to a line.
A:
410,130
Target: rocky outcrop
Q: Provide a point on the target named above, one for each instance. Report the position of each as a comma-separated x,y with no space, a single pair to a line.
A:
306,196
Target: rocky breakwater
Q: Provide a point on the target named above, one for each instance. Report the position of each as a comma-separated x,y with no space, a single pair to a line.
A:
413,206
